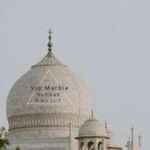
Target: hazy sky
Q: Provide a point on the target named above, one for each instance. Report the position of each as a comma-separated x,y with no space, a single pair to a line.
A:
106,42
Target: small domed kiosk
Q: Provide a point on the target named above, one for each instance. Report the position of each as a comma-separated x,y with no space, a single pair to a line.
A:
94,136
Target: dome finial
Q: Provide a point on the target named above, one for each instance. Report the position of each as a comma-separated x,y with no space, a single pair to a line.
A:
92,114
50,41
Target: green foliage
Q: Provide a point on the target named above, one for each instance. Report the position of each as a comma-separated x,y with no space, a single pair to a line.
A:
3,138
17,148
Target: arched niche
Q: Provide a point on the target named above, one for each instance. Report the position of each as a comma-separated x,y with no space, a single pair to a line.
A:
91,145
99,146
82,146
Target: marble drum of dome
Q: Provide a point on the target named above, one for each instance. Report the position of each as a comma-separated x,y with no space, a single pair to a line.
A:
48,95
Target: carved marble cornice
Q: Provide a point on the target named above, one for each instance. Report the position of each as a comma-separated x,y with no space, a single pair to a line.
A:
45,120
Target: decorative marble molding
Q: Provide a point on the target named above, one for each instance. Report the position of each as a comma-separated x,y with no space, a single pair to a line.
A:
45,120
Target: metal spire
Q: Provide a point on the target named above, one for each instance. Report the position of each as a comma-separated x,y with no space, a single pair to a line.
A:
106,125
128,145
139,141
92,114
50,41
132,138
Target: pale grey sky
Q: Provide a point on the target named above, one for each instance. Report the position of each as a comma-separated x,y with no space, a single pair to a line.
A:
106,42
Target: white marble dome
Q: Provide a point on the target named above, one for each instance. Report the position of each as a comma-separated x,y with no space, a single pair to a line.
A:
48,95
92,128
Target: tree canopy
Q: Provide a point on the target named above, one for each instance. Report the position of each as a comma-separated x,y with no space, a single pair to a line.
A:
3,138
